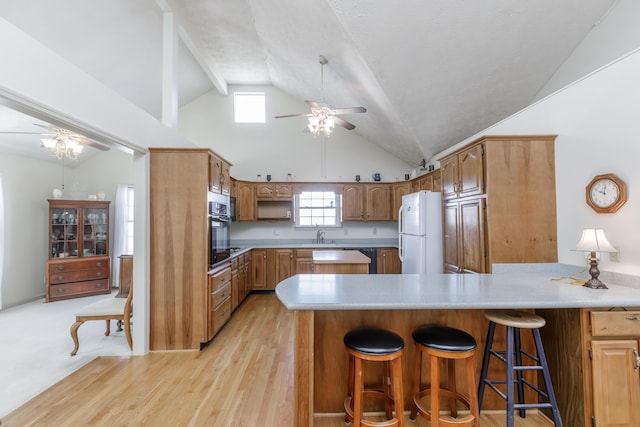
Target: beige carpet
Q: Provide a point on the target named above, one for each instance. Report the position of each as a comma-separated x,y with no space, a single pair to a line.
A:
35,344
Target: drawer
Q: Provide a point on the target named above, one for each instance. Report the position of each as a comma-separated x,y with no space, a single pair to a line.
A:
219,278
70,290
221,315
78,275
615,323
84,264
234,263
219,295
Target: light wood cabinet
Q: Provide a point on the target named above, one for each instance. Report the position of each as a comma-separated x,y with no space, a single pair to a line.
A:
399,189
274,191
219,175
79,263
494,209
246,201
179,302
463,172
366,202
353,202
280,265
388,261
259,269
220,302
437,180
594,353
464,241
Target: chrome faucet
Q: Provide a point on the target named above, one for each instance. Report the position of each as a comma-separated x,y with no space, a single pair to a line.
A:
320,237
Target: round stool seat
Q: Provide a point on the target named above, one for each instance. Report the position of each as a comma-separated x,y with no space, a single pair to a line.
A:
515,318
373,341
444,338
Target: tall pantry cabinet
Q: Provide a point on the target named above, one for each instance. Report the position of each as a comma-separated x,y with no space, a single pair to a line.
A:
499,203
182,307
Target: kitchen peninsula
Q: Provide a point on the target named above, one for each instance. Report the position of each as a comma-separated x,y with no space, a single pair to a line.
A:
327,306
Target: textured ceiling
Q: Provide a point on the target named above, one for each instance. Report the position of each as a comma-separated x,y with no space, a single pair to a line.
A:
430,73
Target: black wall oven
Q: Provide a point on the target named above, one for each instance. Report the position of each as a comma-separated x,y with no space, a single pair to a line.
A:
219,235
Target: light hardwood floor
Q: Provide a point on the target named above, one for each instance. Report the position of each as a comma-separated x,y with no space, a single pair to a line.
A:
244,377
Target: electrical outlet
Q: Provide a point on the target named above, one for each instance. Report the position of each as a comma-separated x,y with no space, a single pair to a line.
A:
375,231
615,256
276,232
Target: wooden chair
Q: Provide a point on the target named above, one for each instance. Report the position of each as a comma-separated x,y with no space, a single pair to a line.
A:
107,309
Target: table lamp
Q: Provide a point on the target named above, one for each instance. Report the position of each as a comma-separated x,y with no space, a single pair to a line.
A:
593,240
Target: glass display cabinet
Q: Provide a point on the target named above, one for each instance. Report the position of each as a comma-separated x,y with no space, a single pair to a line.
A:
79,263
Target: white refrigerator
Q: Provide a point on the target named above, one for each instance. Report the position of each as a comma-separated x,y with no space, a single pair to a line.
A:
420,233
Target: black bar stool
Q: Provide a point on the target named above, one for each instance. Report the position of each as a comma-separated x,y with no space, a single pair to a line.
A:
515,320
378,345
450,344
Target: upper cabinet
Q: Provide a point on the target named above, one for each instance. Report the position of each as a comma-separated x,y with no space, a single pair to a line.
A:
462,173
366,202
273,191
399,189
246,201
219,174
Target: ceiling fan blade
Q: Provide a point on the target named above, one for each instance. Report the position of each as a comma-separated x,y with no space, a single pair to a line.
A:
345,124
313,104
349,110
29,133
295,115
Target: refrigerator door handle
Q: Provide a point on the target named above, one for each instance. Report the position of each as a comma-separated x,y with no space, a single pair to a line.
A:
401,247
400,220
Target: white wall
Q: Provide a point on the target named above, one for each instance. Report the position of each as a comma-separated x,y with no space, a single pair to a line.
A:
279,146
596,120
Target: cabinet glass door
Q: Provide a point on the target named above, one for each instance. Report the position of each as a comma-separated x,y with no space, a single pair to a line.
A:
64,233
95,231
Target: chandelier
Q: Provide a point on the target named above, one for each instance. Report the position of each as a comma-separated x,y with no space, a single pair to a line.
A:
62,146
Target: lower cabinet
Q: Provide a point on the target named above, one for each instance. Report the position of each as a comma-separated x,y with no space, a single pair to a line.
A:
259,269
464,242
388,261
219,299
596,353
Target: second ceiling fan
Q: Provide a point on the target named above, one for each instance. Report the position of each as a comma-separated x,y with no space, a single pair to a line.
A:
323,118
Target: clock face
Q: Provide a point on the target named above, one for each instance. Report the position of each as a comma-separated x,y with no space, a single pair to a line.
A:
604,193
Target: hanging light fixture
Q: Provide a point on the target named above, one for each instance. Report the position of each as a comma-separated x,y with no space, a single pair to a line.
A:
62,146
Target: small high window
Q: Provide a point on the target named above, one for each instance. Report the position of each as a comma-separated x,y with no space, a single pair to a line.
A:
317,209
249,107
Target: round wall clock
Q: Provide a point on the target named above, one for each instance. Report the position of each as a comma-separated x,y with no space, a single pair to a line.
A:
606,193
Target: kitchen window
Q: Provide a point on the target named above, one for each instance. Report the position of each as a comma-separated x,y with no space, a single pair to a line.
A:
318,209
249,107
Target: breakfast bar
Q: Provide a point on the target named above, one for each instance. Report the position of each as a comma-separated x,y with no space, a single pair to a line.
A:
326,306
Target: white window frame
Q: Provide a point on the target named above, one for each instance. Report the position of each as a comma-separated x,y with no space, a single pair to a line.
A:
130,217
249,107
337,206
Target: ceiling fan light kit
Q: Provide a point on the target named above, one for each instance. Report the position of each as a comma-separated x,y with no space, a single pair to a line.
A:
323,119
61,146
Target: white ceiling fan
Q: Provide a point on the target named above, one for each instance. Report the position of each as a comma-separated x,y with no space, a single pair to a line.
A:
61,142
323,118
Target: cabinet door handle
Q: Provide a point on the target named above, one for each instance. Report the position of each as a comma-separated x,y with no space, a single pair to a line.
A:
637,364
635,317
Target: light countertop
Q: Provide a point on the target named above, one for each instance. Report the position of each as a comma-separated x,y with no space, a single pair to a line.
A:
340,257
444,291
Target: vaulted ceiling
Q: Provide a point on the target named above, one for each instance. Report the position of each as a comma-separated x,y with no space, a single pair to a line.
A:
430,73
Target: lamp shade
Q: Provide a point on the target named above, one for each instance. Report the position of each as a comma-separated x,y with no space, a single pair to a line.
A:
594,240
